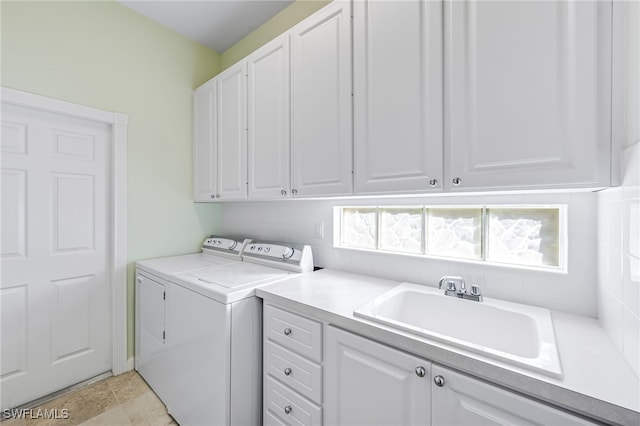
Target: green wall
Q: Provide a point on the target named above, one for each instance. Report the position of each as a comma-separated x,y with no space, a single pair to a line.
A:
280,23
104,55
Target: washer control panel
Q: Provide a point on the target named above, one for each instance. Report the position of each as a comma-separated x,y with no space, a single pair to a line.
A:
277,253
228,245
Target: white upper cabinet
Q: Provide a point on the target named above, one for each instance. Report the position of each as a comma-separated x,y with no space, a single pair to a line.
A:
397,96
321,139
205,142
232,133
527,94
269,120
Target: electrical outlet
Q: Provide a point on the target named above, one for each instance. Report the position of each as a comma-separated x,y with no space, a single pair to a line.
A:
319,233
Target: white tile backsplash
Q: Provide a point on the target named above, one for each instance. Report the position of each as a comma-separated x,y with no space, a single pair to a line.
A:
618,288
574,292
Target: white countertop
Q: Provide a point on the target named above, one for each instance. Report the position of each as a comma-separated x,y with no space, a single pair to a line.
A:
597,381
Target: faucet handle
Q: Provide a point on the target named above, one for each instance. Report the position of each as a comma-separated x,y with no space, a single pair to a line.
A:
451,285
475,290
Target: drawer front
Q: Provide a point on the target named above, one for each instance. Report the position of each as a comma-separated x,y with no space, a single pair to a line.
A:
290,407
294,332
293,370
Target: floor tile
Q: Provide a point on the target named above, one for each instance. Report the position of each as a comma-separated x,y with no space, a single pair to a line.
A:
115,417
127,386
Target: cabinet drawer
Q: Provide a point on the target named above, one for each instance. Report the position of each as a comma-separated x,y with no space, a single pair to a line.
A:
295,371
294,332
288,406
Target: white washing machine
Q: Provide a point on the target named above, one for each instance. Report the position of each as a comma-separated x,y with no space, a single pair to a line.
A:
199,332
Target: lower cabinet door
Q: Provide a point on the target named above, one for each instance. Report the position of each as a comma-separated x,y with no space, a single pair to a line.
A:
461,400
367,383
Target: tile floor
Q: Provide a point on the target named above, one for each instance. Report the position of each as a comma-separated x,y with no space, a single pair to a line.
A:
120,400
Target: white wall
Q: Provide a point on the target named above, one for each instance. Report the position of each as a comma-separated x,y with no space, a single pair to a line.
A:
619,260
619,210
295,221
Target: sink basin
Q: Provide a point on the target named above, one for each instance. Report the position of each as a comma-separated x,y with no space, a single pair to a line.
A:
517,334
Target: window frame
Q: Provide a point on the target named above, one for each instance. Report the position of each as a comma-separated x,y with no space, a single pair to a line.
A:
562,236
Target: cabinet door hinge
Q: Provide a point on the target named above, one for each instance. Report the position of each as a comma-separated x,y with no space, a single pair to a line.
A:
163,335
164,295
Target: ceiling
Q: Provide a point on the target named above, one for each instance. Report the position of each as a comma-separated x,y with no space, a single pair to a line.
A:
217,24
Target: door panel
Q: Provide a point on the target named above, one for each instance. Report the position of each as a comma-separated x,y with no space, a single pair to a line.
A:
367,383
232,133
269,112
527,98
205,155
55,251
321,139
397,96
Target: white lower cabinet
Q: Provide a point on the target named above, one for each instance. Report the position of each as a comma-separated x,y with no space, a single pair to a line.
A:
462,400
368,383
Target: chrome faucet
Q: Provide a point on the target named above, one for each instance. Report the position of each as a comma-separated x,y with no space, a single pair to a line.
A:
455,286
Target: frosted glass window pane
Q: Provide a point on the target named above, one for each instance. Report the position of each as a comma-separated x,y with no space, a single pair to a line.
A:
359,227
401,229
454,232
524,236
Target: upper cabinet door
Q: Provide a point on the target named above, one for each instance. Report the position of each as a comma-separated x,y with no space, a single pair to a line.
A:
397,96
321,103
269,120
232,133
205,142
527,94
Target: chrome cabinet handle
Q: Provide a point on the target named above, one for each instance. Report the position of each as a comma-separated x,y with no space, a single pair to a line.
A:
294,191
217,195
283,192
456,181
439,381
287,409
421,371
213,195
433,183
287,331
287,371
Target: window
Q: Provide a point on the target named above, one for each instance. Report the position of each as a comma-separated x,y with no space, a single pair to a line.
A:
517,235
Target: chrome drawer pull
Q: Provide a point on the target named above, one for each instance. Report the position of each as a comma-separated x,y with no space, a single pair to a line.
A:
287,409
287,331
287,371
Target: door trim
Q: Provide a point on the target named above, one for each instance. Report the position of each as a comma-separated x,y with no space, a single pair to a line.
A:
118,286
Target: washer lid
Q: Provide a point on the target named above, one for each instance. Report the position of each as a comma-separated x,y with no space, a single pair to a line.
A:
236,275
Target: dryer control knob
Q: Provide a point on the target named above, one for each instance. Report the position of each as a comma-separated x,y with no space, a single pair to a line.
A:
287,252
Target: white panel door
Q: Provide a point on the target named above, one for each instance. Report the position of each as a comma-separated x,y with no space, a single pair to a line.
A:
232,133
527,94
397,96
464,401
205,142
367,383
54,291
269,120
321,139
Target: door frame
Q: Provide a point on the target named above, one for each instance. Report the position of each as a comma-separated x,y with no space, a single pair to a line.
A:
118,192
